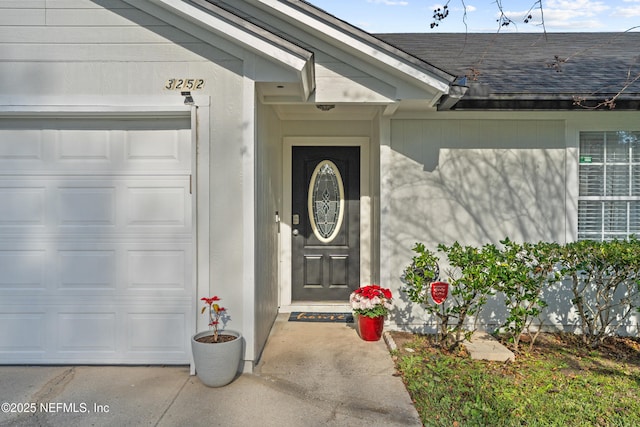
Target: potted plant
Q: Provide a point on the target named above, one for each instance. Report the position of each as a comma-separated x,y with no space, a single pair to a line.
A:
216,353
370,305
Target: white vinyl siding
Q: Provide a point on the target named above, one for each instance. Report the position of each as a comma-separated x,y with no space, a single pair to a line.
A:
609,198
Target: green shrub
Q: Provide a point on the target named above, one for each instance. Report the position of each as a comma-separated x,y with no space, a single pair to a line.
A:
472,275
605,282
604,278
420,273
525,271
469,286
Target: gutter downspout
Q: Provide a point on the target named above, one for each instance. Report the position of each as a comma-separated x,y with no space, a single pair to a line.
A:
456,91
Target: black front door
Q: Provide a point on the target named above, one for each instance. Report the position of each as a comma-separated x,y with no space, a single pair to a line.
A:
325,223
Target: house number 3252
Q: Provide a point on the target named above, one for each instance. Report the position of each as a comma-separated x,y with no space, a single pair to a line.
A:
184,84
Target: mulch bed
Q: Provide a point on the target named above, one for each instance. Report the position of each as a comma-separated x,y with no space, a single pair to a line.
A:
615,348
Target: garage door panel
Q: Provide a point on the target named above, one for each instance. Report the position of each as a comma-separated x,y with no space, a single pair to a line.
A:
93,332
80,205
22,271
87,269
143,329
20,146
81,145
19,322
119,332
163,205
155,146
87,206
122,331
154,269
22,206
95,146
76,269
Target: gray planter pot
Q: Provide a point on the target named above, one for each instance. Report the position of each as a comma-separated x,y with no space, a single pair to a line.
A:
217,364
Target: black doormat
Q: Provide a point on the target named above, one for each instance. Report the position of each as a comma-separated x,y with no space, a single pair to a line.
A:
306,316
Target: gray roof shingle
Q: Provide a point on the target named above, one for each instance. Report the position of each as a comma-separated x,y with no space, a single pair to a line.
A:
521,65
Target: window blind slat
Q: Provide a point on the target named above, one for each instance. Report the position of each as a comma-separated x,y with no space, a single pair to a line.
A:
592,145
591,180
617,147
615,217
589,216
634,218
618,180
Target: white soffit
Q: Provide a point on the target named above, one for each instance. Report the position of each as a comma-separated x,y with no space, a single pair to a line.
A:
357,46
237,30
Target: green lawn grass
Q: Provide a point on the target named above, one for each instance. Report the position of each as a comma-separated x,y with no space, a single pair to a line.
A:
559,383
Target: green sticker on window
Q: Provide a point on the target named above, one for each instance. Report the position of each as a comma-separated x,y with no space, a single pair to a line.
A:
585,159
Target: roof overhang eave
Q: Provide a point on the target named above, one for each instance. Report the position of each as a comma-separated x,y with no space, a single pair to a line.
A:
364,45
544,101
251,37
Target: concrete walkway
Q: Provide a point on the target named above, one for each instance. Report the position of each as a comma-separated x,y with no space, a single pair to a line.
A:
311,374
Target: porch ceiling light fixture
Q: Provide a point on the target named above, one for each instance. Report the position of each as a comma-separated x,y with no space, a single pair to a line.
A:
325,107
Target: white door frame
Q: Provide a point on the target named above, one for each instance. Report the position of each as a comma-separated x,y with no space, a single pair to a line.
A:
286,304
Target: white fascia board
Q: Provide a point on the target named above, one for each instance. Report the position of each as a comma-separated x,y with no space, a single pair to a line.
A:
327,31
154,106
241,34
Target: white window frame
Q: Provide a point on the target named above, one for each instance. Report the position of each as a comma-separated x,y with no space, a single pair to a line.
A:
605,200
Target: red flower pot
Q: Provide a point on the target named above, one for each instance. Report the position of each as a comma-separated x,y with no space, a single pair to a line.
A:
370,328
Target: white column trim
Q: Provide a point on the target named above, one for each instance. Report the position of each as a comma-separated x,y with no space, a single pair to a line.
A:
249,210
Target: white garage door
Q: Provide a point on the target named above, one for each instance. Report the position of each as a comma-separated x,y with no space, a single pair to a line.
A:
96,241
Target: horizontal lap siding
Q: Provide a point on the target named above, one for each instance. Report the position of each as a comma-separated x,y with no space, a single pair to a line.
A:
101,52
77,48
80,47
98,35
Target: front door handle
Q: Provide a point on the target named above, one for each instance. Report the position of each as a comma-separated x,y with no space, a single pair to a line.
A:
295,232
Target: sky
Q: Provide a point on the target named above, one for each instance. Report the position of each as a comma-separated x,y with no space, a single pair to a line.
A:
391,16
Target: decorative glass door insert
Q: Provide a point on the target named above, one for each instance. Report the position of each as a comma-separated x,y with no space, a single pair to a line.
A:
326,201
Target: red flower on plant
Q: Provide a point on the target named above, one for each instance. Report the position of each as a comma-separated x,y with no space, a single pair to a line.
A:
371,301
215,311
373,291
209,301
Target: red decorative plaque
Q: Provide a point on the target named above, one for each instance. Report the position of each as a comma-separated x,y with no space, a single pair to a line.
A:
439,291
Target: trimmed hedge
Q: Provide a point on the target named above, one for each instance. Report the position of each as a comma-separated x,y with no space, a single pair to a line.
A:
603,279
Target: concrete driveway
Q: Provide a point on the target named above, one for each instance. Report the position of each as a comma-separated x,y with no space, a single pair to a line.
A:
311,374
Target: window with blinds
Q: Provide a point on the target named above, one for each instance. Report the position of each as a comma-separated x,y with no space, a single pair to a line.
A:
609,197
